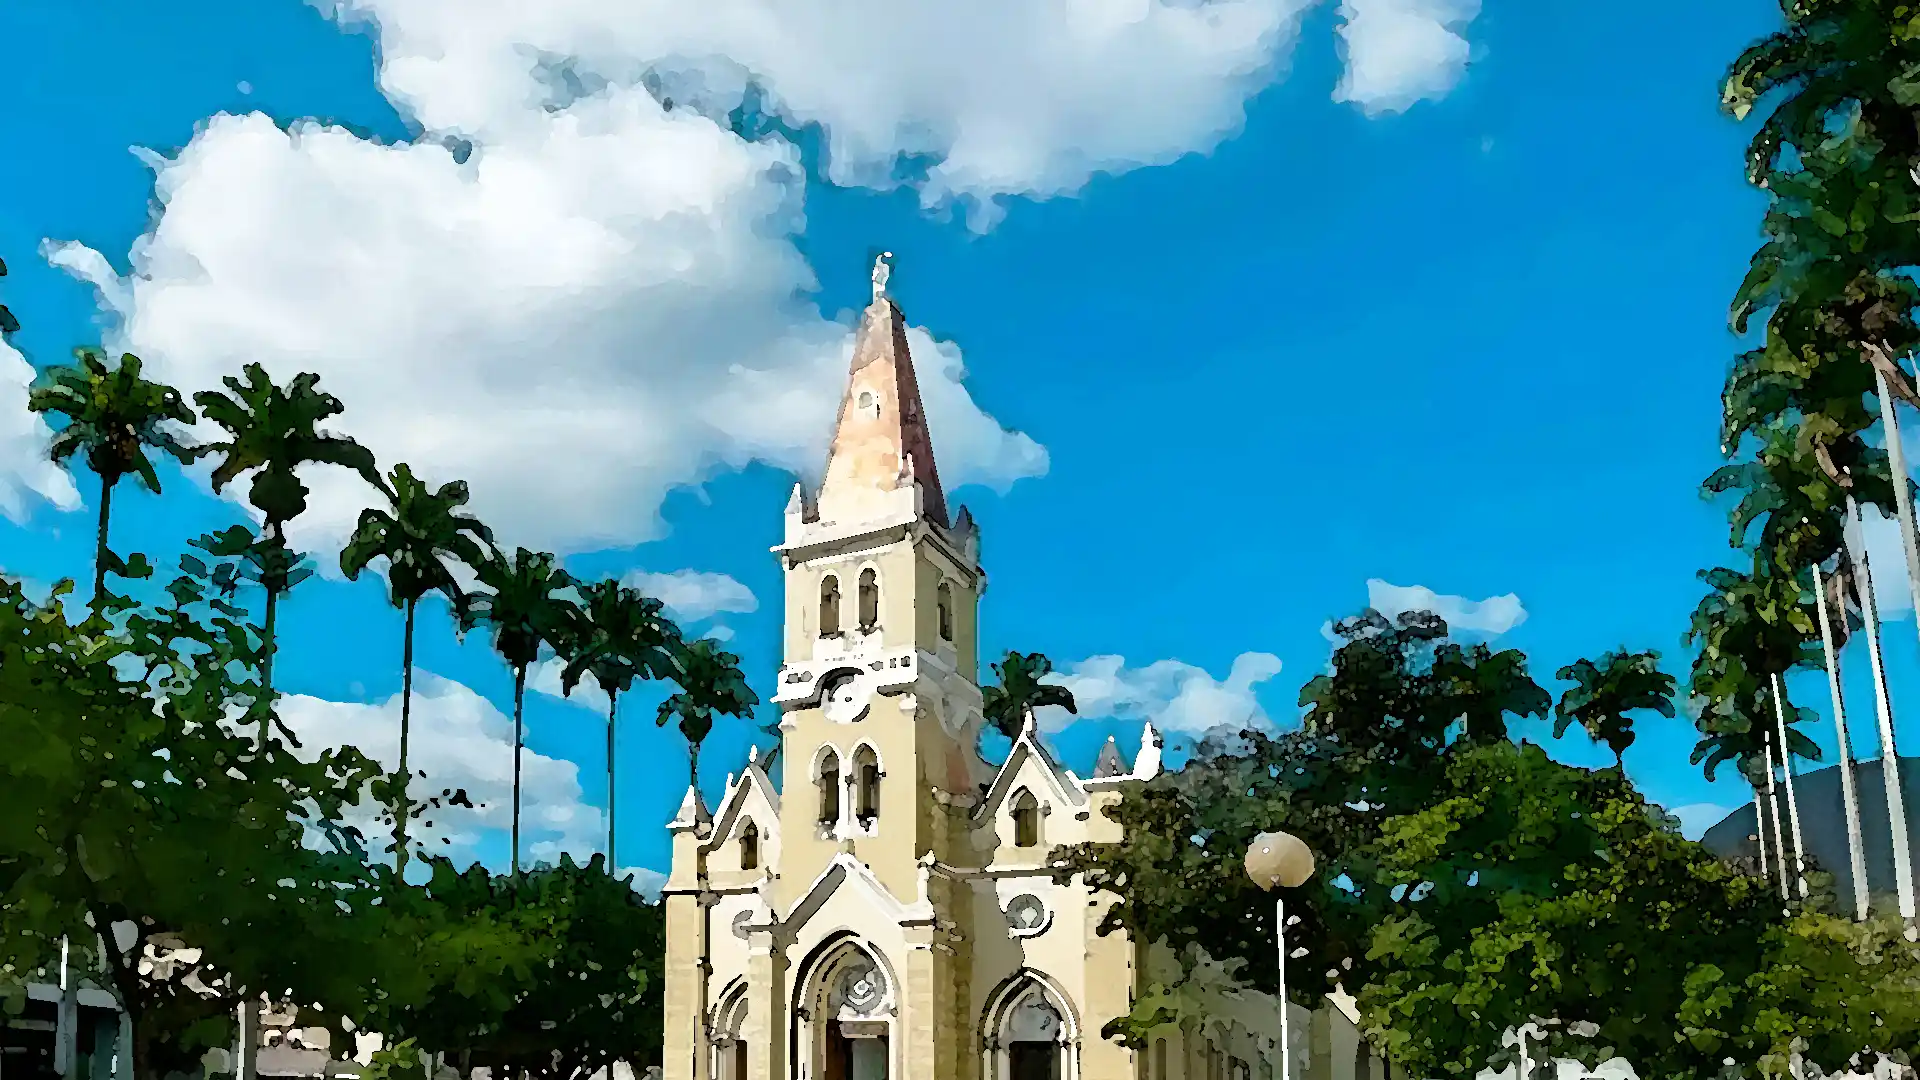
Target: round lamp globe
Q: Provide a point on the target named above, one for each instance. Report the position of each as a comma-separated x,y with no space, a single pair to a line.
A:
1279,860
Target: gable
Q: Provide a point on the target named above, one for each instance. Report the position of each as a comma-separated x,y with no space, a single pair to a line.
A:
1029,764
752,797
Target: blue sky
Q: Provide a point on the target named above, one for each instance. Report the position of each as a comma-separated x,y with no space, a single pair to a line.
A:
1251,313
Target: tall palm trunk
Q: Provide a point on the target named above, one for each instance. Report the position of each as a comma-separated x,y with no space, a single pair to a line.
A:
1779,836
613,716
519,703
403,807
693,763
267,643
1849,795
100,550
1793,801
266,668
1760,830
1902,495
1889,756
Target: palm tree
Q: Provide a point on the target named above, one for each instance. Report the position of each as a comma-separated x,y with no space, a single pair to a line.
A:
1020,692
1605,693
621,635
113,416
420,536
524,606
1751,627
711,684
1481,687
271,432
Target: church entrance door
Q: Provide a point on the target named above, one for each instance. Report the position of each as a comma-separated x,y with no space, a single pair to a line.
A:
1033,1061
855,1059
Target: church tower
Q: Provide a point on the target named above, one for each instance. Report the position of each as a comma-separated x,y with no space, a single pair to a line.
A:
879,685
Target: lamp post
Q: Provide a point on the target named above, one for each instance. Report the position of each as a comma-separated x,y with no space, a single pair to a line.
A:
1276,861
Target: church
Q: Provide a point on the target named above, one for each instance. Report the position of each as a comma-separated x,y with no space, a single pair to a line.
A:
887,910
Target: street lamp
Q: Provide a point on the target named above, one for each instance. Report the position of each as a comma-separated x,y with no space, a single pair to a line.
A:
1275,861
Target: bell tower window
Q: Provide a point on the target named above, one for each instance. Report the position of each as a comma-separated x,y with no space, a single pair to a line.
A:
750,847
829,606
869,599
943,610
1026,820
830,789
866,772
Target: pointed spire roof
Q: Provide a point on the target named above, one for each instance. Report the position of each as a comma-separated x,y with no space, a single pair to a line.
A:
1109,763
880,444
693,811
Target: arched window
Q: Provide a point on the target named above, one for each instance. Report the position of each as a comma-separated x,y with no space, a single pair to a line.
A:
750,847
869,599
1026,820
866,773
1159,1059
943,609
829,605
830,789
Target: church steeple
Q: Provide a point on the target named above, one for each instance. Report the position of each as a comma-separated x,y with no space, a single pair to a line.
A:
880,462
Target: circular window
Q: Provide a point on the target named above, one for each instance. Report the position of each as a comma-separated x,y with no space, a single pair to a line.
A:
1026,915
844,699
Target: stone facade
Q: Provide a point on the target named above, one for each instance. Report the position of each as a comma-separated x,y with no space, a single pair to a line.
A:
886,910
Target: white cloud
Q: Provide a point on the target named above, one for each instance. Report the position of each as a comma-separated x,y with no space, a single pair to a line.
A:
693,595
604,301
582,317
1175,696
1697,818
1402,51
1003,97
1493,616
25,472
461,741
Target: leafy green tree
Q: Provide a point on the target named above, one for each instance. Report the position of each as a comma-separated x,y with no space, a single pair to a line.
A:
133,815
1529,889
1376,733
115,418
621,635
553,974
1020,691
1605,694
422,535
711,684
271,431
522,602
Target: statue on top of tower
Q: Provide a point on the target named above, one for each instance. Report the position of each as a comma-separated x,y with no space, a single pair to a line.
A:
882,270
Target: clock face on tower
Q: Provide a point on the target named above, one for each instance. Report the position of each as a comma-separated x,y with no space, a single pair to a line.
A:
844,698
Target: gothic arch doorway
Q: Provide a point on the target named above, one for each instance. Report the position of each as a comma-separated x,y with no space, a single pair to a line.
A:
1030,1032
730,1054
845,1011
